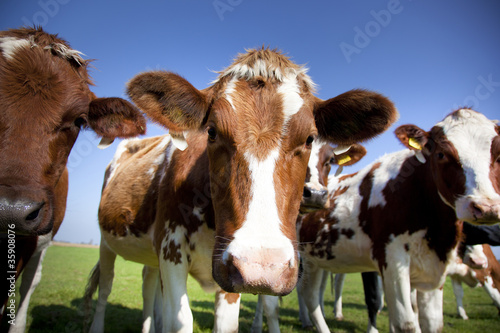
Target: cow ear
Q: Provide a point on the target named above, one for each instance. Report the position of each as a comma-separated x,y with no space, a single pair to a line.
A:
169,100
352,156
114,117
354,116
414,138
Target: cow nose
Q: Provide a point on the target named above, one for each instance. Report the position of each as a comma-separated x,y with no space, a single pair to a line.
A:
265,271
485,211
24,214
314,197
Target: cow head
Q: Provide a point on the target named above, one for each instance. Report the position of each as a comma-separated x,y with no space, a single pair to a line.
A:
261,119
44,103
463,152
323,156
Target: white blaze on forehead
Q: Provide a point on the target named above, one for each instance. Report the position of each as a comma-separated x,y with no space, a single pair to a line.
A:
313,165
10,45
261,228
471,134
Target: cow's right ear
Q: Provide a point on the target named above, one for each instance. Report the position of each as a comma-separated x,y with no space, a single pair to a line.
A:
355,153
169,100
414,138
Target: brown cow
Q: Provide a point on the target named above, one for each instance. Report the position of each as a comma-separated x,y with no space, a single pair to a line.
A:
241,177
45,101
399,216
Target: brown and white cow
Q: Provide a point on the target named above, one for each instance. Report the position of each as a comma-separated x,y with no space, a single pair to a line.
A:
45,101
486,273
399,216
242,174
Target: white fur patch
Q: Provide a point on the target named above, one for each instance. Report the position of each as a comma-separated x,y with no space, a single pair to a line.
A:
313,165
292,102
10,45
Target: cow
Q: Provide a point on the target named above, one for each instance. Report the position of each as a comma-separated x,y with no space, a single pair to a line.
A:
224,208
45,101
320,163
399,216
475,266
474,257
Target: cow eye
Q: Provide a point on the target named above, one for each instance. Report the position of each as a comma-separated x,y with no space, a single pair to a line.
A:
440,156
80,122
212,134
309,141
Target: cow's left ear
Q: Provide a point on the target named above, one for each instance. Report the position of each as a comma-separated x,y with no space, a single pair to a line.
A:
114,117
354,116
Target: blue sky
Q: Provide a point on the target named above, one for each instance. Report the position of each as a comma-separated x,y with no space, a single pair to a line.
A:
429,57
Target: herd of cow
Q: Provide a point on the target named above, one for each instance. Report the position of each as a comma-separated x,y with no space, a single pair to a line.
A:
238,194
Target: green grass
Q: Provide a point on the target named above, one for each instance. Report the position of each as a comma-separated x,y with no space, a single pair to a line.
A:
56,305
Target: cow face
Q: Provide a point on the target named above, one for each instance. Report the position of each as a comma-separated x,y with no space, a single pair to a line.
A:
323,156
261,119
463,153
44,103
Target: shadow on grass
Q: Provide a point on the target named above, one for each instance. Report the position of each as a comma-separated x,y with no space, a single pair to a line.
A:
64,319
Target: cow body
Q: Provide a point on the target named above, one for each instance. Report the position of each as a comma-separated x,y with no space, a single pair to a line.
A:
399,216
44,102
248,139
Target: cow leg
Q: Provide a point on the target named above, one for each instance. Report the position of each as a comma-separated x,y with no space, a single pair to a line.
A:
322,288
177,315
337,305
458,290
271,309
494,293
158,311
396,280
227,311
430,310
149,284
373,298
308,288
257,319
303,312
107,272
32,274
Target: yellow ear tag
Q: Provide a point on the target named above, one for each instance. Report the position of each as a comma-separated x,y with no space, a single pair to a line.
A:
414,143
344,160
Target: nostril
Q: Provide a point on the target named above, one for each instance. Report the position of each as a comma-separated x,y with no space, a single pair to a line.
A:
307,192
476,210
33,211
33,215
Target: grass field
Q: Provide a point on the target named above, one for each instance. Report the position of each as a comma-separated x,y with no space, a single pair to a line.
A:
56,305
